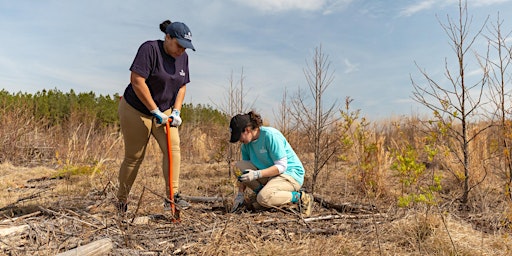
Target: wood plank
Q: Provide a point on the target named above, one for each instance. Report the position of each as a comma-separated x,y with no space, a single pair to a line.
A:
12,230
99,247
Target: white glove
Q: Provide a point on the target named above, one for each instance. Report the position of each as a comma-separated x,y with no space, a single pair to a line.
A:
249,175
161,118
175,117
239,201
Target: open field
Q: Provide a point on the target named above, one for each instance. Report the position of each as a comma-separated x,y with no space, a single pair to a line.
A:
383,193
65,208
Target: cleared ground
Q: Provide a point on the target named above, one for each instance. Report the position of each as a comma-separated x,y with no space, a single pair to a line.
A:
66,209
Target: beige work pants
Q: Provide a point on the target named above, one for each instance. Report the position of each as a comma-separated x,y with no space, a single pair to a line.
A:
137,129
276,190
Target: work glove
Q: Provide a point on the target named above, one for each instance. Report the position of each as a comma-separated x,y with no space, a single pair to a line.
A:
239,201
175,117
161,118
249,175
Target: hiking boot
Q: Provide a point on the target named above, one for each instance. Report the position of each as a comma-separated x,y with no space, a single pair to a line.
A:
122,207
178,202
167,205
306,204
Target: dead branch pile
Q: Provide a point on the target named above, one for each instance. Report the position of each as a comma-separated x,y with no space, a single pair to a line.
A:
44,217
205,229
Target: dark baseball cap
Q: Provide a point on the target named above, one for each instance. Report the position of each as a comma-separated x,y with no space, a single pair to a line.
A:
237,126
182,33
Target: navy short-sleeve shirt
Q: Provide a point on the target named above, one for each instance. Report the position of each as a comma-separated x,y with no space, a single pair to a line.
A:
164,75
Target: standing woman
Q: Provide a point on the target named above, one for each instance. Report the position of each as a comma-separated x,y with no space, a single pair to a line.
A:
269,165
159,75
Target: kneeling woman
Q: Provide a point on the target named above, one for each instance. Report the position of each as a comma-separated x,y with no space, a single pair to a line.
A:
269,165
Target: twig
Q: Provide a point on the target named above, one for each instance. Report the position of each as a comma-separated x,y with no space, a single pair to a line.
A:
156,194
105,188
21,217
318,231
10,206
173,216
65,216
445,225
43,179
94,218
68,217
138,203
221,235
377,233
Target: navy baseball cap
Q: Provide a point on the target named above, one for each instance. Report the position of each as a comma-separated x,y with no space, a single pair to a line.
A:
182,33
237,126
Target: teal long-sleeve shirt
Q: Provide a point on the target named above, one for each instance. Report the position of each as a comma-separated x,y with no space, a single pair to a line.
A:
271,146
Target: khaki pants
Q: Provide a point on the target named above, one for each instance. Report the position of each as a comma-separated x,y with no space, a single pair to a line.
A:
137,129
276,190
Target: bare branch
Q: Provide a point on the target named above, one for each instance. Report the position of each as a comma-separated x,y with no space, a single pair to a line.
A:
463,101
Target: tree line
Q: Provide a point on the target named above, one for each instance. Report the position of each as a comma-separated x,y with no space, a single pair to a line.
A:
55,107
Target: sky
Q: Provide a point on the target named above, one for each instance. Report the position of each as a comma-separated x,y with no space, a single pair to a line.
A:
374,47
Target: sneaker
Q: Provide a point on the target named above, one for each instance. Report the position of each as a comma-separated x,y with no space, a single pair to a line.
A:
121,207
306,204
178,202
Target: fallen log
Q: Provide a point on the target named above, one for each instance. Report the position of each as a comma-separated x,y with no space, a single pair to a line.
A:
99,247
321,218
195,199
345,207
13,230
345,216
203,199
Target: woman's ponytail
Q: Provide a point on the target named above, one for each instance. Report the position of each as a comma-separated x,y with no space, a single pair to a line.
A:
163,26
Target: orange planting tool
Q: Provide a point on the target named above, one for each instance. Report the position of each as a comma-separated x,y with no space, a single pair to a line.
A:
174,211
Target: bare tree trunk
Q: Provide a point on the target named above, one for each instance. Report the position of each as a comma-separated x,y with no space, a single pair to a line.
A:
498,80
316,122
282,117
234,104
458,103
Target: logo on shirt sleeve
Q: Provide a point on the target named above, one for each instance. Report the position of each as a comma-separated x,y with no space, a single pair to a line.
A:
182,73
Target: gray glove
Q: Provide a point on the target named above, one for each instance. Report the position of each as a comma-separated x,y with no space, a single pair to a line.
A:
239,201
249,175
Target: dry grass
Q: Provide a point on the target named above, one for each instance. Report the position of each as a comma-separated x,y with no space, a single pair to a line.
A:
66,195
82,211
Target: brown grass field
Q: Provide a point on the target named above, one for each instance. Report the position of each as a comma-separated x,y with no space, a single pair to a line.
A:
60,185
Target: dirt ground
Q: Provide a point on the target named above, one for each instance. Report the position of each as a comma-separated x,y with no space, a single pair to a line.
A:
62,212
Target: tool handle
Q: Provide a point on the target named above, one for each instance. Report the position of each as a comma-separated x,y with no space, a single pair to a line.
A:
169,156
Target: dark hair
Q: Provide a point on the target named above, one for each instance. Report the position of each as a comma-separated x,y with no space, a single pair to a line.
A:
256,120
163,26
